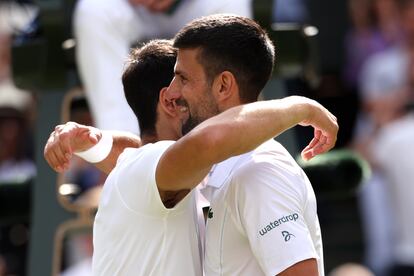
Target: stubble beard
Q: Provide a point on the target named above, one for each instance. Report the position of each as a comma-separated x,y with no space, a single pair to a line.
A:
191,123
209,107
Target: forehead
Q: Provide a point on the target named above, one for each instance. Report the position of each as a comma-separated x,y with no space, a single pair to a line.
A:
188,61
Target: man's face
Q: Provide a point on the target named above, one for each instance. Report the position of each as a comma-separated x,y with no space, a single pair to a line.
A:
191,82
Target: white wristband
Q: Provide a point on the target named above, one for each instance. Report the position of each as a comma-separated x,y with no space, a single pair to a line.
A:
98,152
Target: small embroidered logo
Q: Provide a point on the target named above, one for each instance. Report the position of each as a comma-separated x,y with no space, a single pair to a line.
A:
287,235
210,213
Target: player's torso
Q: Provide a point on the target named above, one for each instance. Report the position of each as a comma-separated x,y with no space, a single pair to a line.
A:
228,248
152,241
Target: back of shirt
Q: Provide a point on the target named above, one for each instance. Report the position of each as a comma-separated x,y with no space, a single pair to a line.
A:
263,216
134,234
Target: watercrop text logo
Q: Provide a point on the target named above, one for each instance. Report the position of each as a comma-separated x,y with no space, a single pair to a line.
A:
273,224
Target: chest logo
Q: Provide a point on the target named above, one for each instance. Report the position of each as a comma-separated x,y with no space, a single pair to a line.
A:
210,213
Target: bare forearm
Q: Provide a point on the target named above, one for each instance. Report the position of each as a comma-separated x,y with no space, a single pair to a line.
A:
243,128
239,130
307,267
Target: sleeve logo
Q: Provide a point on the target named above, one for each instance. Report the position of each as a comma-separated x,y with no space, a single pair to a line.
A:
273,224
287,235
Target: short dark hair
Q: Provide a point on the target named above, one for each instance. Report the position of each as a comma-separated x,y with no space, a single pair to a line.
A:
231,43
150,68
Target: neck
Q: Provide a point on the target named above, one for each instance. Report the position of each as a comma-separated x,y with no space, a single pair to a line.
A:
166,133
149,138
165,128
231,102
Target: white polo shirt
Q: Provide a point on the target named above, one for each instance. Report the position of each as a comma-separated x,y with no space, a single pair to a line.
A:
263,217
134,234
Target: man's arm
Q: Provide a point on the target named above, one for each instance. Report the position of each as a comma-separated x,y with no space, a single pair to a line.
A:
307,267
232,129
239,130
73,137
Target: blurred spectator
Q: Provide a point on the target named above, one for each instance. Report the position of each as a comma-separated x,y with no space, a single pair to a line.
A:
16,15
383,80
362,40
392,152
15,107
15,164
384,92
388,22
78,248
16,160
392,149
106,29
374,28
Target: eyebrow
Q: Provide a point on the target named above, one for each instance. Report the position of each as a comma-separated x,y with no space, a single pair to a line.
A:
179,73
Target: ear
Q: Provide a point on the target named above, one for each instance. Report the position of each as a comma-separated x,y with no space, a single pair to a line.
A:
225,86
168,101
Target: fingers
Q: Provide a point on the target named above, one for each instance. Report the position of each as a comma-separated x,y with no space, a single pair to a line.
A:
58,149
94,135
325,134
321,143
55,156
84,138
67,139
308,151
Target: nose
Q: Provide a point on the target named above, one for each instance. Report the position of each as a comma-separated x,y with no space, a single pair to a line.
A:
173,89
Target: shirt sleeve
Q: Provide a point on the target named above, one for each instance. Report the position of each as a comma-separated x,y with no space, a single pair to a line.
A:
135,177
269,207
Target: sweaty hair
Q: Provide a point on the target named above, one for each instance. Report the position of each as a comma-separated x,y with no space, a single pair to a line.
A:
231,43
149,69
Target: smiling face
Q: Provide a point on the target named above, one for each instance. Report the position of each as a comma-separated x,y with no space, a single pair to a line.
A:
196,91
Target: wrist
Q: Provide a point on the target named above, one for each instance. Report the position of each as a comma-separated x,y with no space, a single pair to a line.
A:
99,151
305,110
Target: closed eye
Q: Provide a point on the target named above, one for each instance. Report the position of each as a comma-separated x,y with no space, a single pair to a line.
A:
178,74
183,80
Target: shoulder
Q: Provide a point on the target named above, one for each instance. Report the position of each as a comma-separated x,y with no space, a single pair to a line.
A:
269,170
269,158
134,178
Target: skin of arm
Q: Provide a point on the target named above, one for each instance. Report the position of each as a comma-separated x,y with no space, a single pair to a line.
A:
307,267
239,130
233,132
73,137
